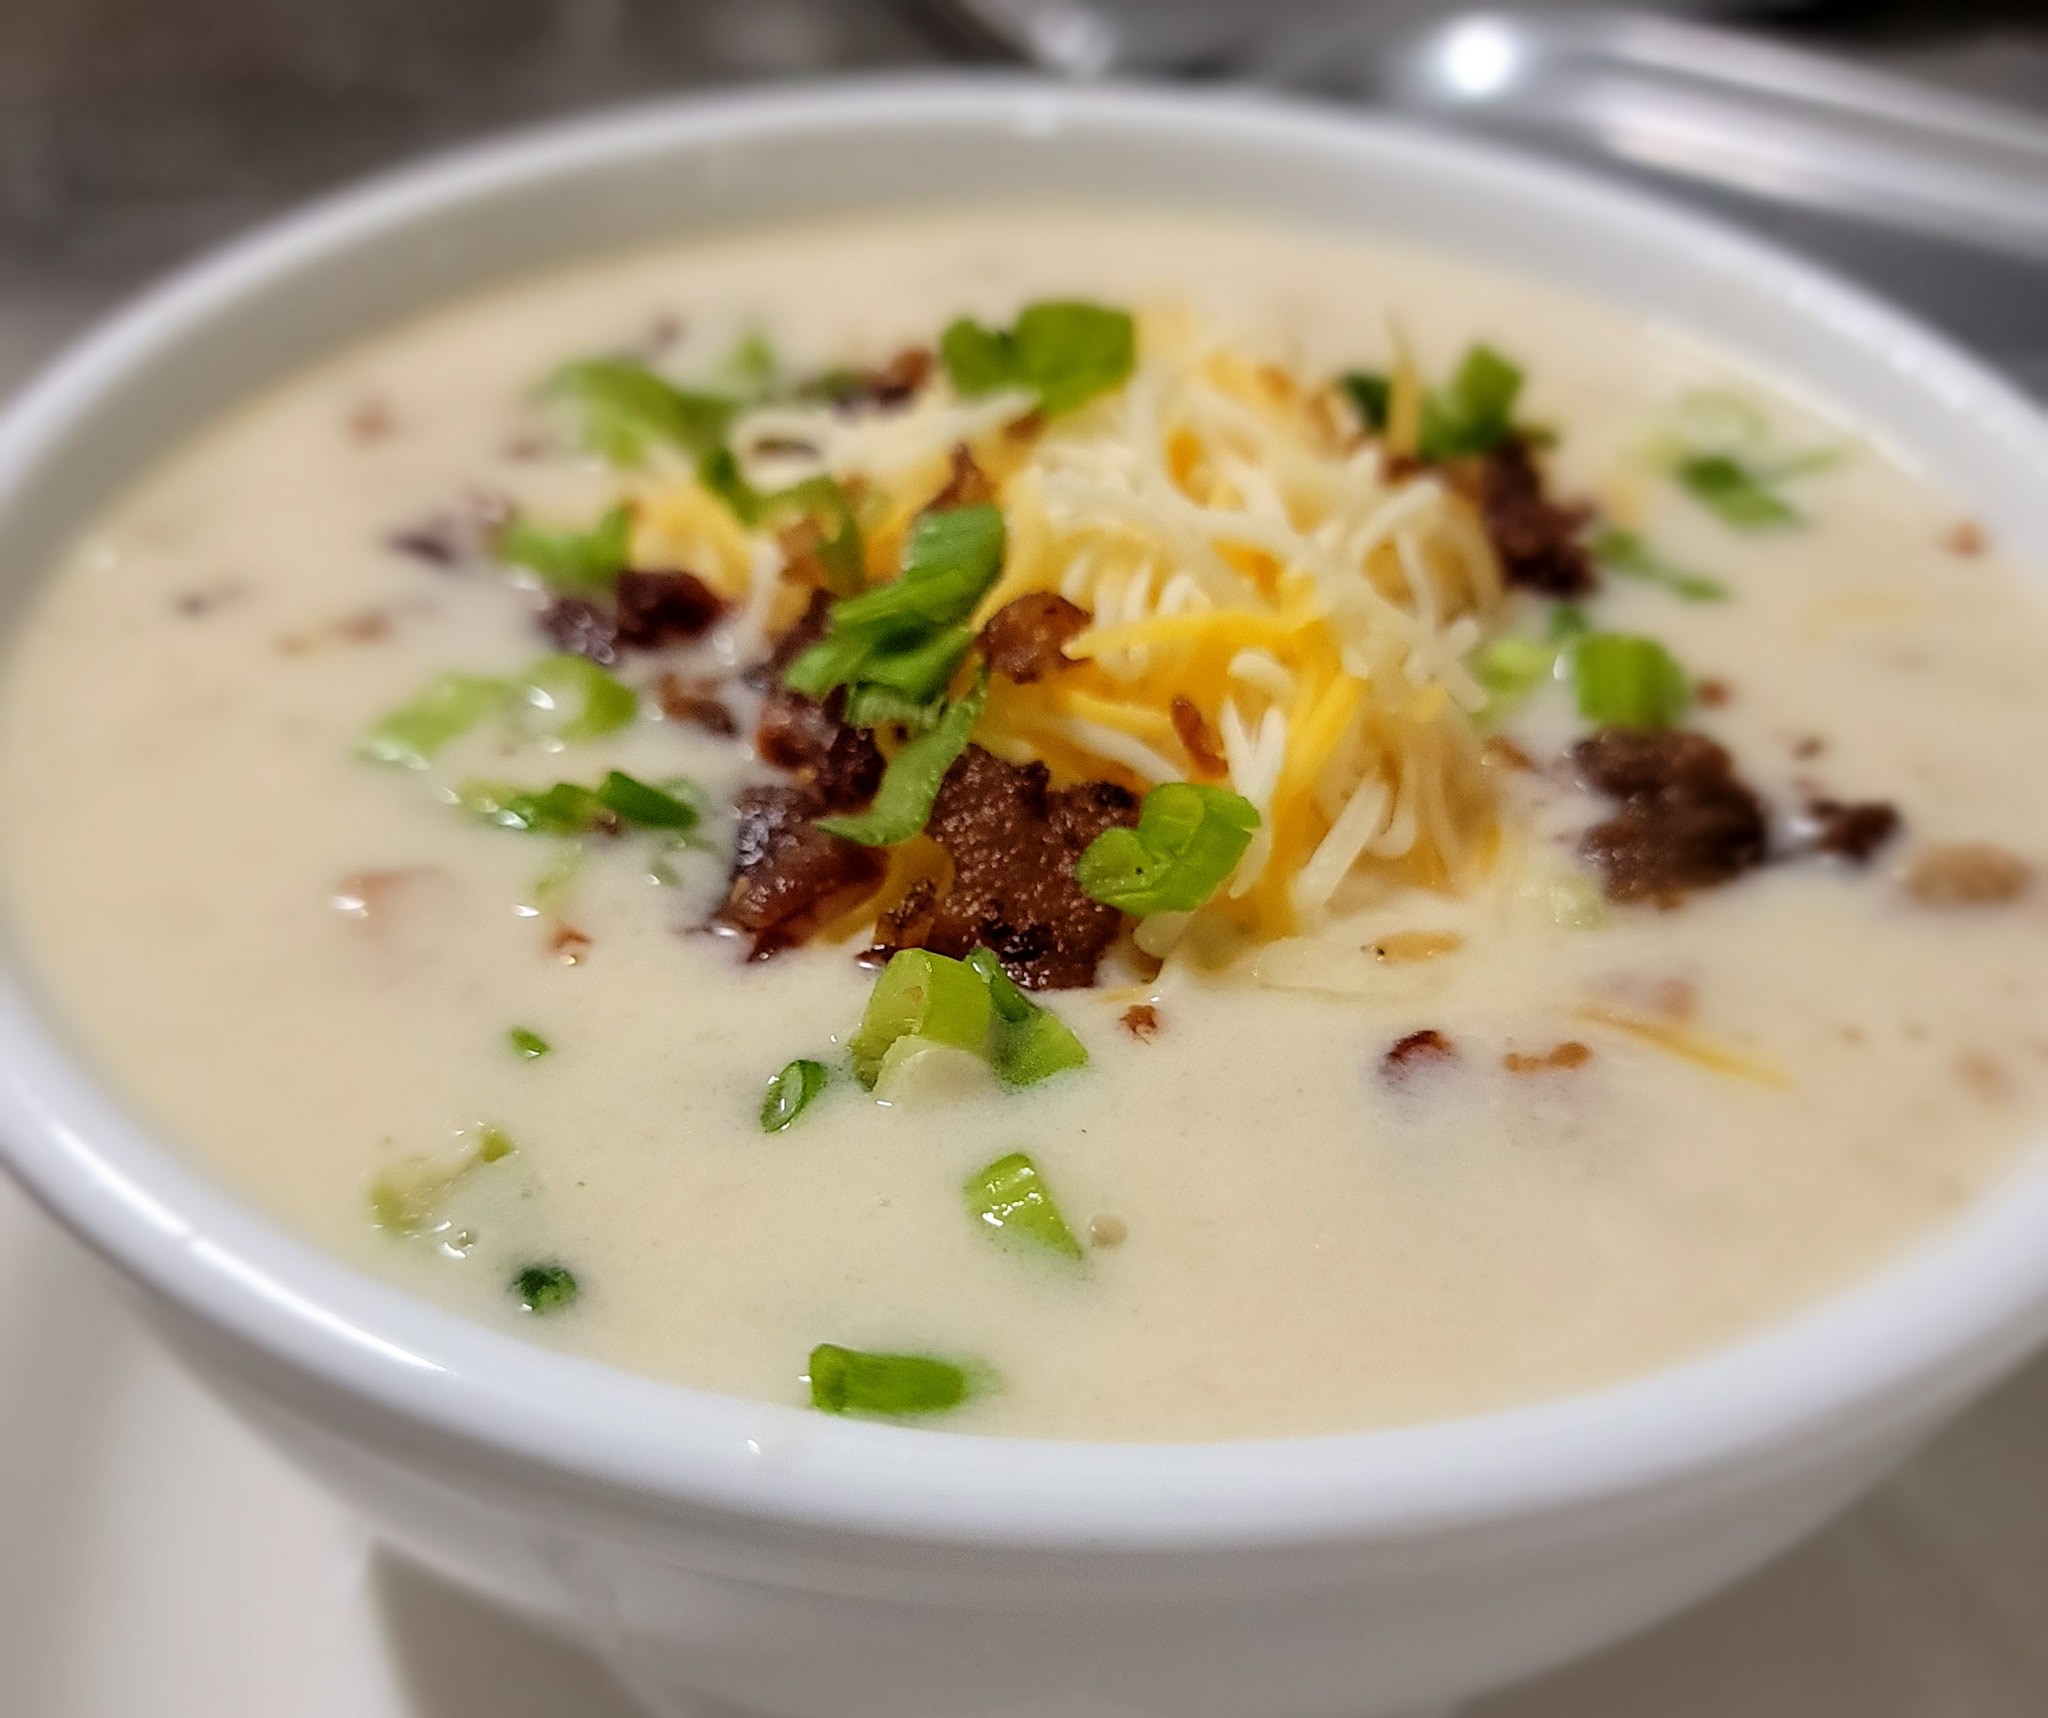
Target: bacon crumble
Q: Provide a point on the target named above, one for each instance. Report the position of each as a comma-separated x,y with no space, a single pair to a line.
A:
1424,1049
1685,822
1024,640
1539,540
1013,840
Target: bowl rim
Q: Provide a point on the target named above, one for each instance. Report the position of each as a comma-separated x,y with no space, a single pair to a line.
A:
1874,1359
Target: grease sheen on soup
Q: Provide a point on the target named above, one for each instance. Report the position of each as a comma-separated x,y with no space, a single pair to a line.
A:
1462,1132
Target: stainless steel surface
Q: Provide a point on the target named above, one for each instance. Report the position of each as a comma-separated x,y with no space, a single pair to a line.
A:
1736,112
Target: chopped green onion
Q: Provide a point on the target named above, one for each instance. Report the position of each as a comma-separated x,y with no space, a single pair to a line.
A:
847,1381
1188,840
1011,1197
790,1093
1737,494
528,1045
911,782
1510,668
414,734
910,634
645,807
879,706
1065,352
1370,394
626,409
752,366
921,995
493,1144
574,699
545,1288
576,559
1628,682
1625,553
1568,623
1027,1043
564,809
821,499
570,809
406,1199
1475,412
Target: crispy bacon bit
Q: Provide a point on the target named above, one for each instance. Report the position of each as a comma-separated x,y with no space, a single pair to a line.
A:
568,944
810,739
968,486
1537,539
1013,841
890,384
1965,874
1851,831
582,628
437,542
695,702
656,609
648,611
1714,694
1686,821
1141,1021
787,873
1570,1054
1428,1048
1966,538
1023,639
1196,740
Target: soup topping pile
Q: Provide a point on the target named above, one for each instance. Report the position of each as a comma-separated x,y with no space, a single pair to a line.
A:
1087,644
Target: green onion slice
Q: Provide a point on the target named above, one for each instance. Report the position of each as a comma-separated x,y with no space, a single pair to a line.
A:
570,809
1738,494
1475,411
1628,682
879,706
576,560
406,1199
545,1288
413,735
821,499
627,409
922,995
1065,351
527,1044
1188,840
911,782
1626,554
848,1381
1371,395
1011,1197
574,699
910,634
1027,1042
791,1092
645,807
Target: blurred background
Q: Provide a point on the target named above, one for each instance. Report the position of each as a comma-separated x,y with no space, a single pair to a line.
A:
1906,140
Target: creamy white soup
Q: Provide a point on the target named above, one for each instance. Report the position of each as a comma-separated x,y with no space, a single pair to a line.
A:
1052,822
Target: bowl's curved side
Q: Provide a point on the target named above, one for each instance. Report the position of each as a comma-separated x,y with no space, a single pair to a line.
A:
1855,1373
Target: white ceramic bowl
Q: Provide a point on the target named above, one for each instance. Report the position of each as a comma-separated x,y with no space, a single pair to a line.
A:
808,1566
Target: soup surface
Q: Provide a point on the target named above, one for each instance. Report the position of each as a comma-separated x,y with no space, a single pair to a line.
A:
1594,917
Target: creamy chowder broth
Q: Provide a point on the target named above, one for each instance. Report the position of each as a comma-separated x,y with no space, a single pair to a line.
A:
1595,918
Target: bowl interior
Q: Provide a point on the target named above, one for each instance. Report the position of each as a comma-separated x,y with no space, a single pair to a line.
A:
1936,1323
